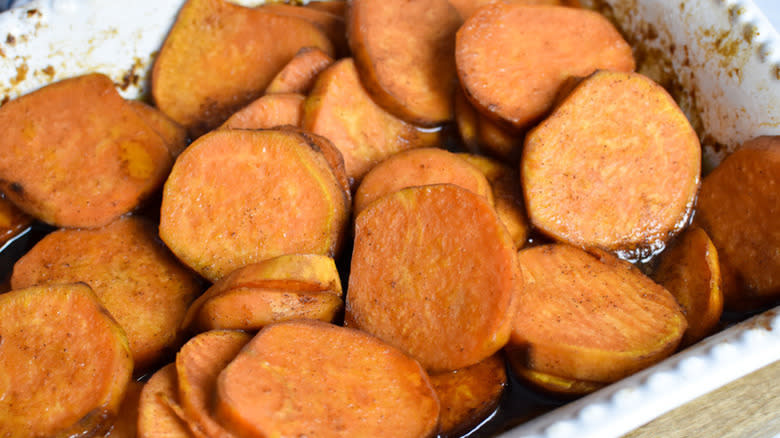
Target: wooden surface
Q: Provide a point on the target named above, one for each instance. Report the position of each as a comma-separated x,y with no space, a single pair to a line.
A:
748,407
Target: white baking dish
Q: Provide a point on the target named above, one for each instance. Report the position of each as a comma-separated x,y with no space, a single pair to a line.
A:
724,55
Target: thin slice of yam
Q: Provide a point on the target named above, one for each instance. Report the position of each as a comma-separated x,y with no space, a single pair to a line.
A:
335,7
269,111
588,317
616,166
689,269
12,220
315,379
299,74
156,418
198,364
554,385
75,154
435,281
467,8
467,396
418,167
739,207
404,52
507,196
64,363
174,134
126,424
482,135
512,58
218,57
332,25
339,109
135,277
237,197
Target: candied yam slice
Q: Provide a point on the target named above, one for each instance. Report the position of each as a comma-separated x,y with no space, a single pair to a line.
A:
335,7
268,111
467,396
330,24
218,57
467,8
433,280
198,364
316,379
507,196
237,197
690,271
12,220
481,135
615,166
404,52
512,58
739,207
58,341
126,423
299,74
339,109
156,418
75,154
135,277
418,167
174,134
555,385
590,318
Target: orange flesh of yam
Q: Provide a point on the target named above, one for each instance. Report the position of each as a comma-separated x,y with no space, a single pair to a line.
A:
218,57
237,197
126,423
739,207
174,134
268,111
618,139
404,52
64,363
467,8
135,277
469,395
315,379
75,154
299,74
339,109
12,220
512,58
481,135
335,7
198,364
554,384
588,318
421,268
507,196
689,270
156,419
332,25
418,167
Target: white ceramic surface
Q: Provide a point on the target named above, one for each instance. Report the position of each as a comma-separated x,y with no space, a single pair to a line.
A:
726,57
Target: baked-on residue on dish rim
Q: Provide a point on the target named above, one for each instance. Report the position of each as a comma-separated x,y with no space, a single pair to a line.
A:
724,55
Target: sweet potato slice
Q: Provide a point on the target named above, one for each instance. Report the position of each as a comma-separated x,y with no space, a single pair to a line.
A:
315,379
332,25
481,135
12,220
335,7
237,197
278,289
421,268
75,154
156,419
548,383
404,52
507,196
590,318
126,424
64,363
268,111
418,167
198,364
616,166
689,269
299,74
467,8
135,277
218,57
512,58
467,396
739,207
174,134
339,109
